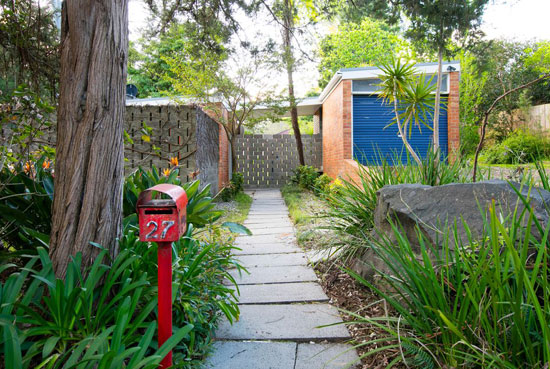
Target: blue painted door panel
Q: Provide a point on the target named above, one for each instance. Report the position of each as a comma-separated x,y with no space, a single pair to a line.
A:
372,137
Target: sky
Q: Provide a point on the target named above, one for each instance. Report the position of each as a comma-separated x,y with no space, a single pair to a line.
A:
519,20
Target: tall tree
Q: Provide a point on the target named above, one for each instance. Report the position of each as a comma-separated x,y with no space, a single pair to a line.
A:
359,45
230,100
436,22
89,163
287,15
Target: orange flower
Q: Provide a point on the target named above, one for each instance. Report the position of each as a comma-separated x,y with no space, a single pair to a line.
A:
46,164
174,161
166,172
28,167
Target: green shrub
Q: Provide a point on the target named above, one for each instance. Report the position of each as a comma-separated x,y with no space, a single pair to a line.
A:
351,205
200,206
26,197
102,319
200,266
304,176
235,186
480,305
520,147
469,138
322,184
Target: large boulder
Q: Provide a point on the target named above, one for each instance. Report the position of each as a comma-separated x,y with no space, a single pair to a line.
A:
435,210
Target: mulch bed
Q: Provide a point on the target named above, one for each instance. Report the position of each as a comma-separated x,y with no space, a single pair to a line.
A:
347,294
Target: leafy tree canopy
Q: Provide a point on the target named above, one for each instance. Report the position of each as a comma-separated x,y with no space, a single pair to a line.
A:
369,43
149,70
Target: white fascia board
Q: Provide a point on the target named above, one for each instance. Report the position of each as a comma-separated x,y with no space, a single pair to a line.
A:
331,85
374,73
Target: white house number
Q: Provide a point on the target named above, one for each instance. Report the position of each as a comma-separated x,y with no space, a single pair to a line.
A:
167,224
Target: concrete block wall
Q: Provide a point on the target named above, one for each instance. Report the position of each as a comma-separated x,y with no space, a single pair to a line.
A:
269,160
174,133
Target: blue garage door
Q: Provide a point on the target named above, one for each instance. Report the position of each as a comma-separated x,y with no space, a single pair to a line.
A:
372,137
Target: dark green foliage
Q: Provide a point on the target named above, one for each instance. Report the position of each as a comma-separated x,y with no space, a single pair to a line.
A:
200,207
483,304
99,320
235,186
199,294
520,147
469,138
29,43
305,176
25,208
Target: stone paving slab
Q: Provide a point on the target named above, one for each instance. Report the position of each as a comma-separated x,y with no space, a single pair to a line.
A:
284,322
280,274
269,222
271,230
326,356
279,224
251,261
265,248
283,293
266,238
252,355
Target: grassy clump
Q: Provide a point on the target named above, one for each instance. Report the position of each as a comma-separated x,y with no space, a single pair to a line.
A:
352,204
480,305
242,205
294,198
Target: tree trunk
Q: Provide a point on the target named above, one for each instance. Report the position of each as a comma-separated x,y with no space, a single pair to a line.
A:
437,100
89,174
233,155
288,25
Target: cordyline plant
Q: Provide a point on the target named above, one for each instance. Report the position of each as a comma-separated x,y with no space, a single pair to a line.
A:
411,96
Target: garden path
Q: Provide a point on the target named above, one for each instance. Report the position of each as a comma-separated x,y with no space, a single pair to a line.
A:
282,305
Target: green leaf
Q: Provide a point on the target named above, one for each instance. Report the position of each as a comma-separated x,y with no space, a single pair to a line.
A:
237,228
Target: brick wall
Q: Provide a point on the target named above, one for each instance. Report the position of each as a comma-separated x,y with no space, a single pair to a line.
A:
223,167
453,115
336,130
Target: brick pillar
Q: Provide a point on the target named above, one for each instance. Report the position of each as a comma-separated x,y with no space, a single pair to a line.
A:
453,116
318,121
346,119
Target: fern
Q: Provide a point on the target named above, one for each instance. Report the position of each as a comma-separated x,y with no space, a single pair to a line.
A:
418,357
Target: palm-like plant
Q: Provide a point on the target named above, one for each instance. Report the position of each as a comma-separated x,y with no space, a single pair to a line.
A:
411,96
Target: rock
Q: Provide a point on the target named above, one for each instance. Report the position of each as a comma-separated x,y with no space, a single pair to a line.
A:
436,210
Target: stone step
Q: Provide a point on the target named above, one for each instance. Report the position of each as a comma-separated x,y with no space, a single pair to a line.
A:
285,293
252,355
271,230
281,274
282,259
285,322
280,355
266,238
266,248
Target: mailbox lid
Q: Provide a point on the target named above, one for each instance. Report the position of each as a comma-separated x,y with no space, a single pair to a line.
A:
176,193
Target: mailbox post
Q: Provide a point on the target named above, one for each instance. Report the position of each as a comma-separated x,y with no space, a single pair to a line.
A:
163,221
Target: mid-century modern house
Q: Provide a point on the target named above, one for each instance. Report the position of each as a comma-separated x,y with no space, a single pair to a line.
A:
355,122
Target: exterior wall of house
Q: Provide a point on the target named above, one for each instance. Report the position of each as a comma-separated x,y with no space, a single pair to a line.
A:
225,158
453,115
337,129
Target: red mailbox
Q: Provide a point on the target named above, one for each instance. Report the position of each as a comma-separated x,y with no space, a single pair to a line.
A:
163,221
